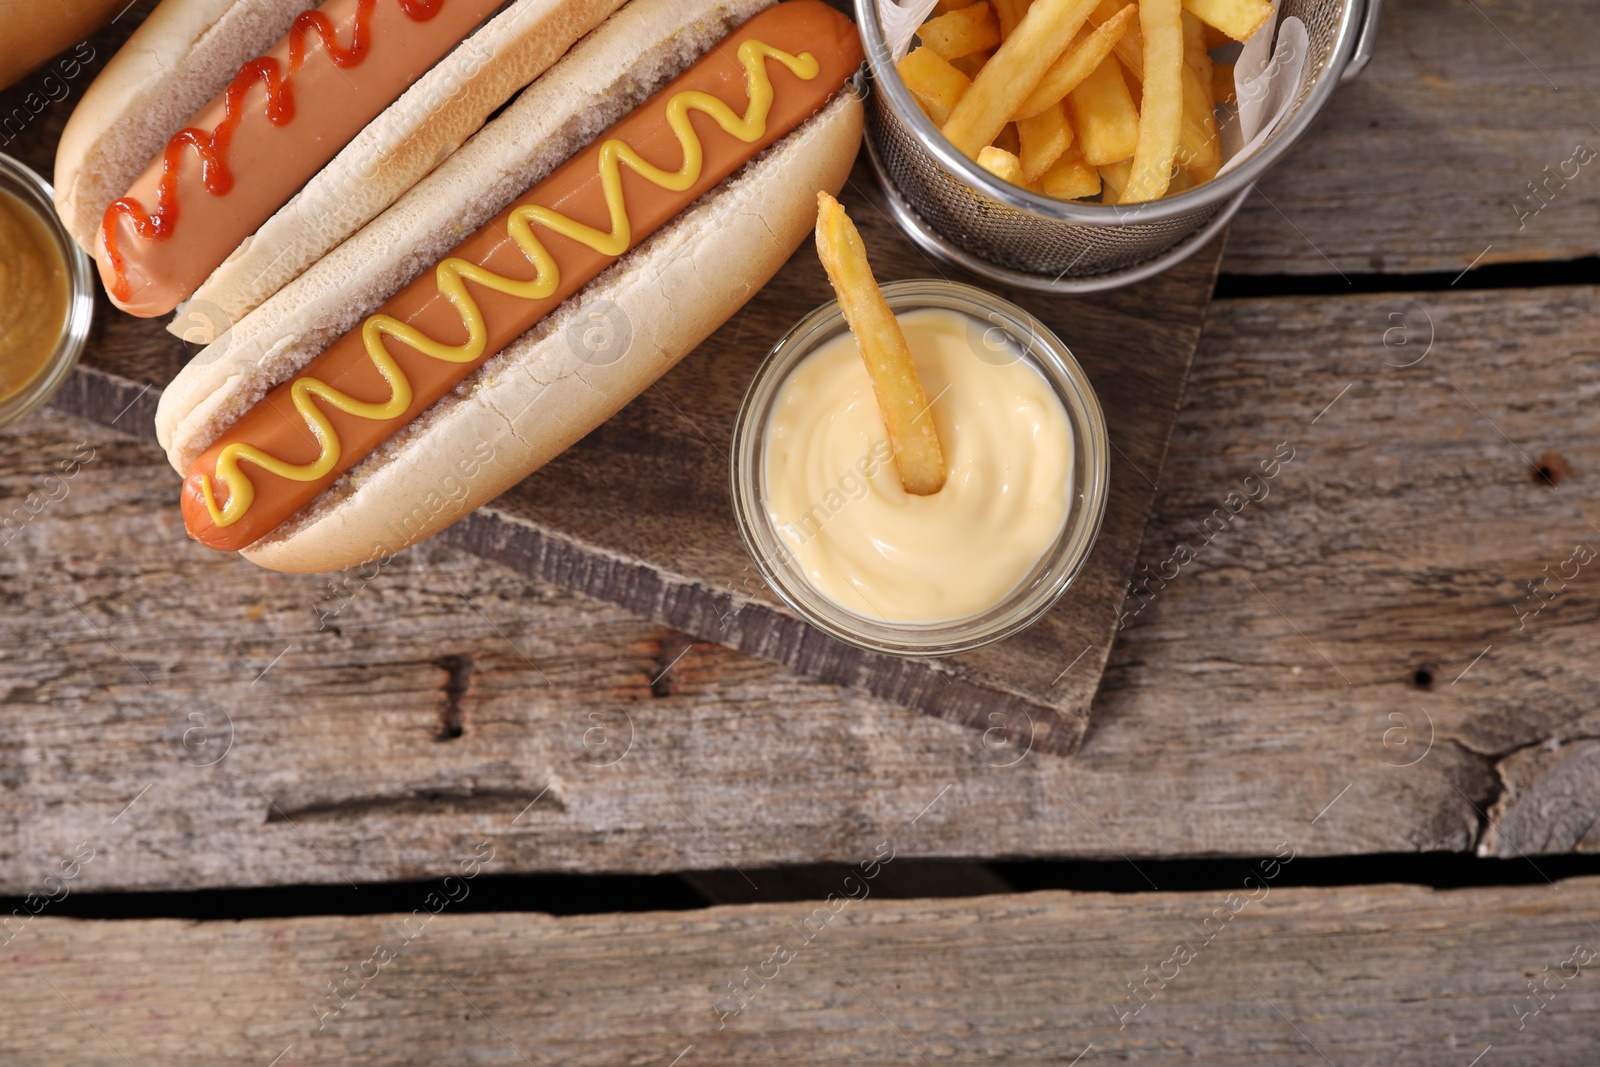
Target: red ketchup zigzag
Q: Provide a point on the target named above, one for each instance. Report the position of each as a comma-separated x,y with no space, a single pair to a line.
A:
212,147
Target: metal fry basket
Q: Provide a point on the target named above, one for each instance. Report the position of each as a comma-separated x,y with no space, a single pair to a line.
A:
956,210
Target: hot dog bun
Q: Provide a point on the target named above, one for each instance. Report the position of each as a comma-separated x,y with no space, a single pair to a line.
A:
541,394
187,51
35,30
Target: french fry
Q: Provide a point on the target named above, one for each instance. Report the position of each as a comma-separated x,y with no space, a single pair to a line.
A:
1009,12
1181,182
1161,107
1129,50
1239,19
1002,164
1043,137
1103,115
1130,47
937,85
1200,151
1071,178
1082,119
1103,10
970,65
1194,37
1198,148
917,454
1017,67
1223,89
962,32
944,7
1114,178
1078,62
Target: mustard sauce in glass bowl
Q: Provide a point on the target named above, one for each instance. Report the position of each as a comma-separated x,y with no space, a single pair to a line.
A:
46,294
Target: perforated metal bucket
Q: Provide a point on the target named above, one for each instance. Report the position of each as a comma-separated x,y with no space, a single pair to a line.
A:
960,212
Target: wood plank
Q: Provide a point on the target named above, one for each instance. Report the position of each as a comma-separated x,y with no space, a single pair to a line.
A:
1385,585
1395,542
1424,162
1390,974
638,515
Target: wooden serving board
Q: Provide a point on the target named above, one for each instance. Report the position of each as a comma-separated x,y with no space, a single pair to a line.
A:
638,513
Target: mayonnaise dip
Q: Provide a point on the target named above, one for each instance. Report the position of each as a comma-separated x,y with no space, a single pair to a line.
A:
835,498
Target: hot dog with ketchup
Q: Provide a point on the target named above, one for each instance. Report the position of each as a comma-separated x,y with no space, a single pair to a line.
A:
672,218
338,108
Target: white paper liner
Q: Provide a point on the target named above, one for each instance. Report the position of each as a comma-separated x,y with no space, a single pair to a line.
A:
900,22
1266,83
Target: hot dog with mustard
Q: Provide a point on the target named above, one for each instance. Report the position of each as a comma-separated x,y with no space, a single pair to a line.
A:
724,161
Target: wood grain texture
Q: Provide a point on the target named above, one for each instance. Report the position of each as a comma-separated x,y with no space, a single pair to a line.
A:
639,514
1360,974
1551,801
1395,543
1401,581
1423,163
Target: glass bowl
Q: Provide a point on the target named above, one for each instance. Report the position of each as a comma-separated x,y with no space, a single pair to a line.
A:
1055,569
35,194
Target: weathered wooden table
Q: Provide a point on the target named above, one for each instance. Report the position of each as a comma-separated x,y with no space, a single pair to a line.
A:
1380,673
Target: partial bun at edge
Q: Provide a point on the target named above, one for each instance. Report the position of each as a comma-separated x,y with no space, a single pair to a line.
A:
540,396
39,30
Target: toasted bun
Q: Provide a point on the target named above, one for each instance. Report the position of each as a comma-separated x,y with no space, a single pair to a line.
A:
401,146
185,53
551,386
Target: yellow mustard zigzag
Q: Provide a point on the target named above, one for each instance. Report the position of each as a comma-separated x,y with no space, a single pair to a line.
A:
451,275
